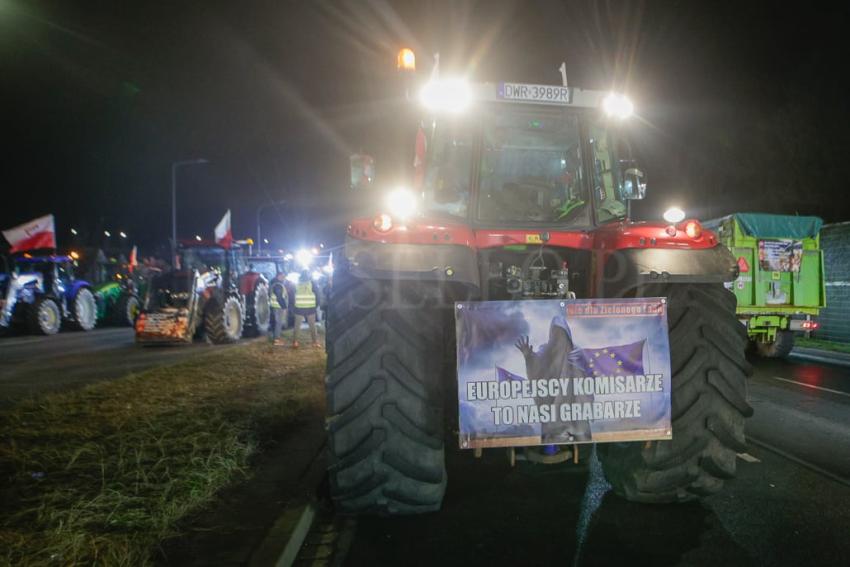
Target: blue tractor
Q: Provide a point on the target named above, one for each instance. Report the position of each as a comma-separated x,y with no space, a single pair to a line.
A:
41,294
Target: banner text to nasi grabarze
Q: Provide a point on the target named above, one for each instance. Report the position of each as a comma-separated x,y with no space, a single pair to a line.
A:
634,309
563,413
586,386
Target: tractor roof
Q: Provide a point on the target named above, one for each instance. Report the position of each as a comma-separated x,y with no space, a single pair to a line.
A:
528,93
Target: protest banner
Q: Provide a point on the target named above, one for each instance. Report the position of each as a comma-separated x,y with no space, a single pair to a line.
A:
562,371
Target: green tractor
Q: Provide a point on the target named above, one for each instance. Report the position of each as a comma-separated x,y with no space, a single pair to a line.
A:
117,294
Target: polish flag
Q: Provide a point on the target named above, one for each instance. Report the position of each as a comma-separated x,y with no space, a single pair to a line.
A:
133,263
223,235
38,233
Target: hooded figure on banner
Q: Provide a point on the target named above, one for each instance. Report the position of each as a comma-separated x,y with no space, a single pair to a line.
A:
560,357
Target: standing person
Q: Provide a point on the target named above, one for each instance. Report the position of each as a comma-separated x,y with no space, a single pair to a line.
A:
304,307
278,304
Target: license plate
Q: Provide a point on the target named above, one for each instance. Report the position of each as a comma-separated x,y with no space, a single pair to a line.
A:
545,94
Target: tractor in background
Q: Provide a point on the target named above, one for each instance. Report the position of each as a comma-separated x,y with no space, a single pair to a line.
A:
41,294
209,292
116,292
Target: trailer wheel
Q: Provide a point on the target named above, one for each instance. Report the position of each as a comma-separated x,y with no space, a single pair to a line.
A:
44,317
126,310
384,397
223,322
779,348
709,403
84,308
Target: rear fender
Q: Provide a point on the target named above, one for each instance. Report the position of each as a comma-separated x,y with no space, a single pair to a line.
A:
441,263
625,270
248,281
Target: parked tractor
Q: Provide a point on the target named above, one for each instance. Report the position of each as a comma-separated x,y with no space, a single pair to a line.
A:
209,293
780,287
117,294
41,294
518,192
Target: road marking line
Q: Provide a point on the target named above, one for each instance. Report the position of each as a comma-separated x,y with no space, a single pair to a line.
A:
799,461
749,458
839,392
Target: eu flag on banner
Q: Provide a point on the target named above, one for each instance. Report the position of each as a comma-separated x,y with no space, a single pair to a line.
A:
503,375
614,360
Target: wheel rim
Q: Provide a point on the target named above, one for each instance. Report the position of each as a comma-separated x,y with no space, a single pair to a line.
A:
132,309
232,319
48,316
262,310
86,309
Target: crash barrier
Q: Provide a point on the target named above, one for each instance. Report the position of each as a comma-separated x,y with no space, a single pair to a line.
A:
835,318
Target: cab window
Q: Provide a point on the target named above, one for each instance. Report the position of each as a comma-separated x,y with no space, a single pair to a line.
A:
610,204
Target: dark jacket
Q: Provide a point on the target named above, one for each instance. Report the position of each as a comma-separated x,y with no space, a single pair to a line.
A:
279,290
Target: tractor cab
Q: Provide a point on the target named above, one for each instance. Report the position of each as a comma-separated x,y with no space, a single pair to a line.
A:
526,165
56,272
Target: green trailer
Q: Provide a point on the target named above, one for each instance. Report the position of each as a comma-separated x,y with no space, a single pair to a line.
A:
780,286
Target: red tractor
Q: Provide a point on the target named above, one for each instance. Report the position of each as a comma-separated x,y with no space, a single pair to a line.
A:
210,292
518,192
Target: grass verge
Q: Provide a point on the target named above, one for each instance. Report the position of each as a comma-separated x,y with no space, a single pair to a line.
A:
821,344
101,475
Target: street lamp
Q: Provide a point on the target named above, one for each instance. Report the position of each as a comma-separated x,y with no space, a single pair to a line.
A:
259,212
174,167
107,234
122,234
74,231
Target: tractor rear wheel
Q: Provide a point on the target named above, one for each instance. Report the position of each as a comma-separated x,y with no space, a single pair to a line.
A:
259,310
84,309
126,310
709,403
44,317
780,347
385,396
223,321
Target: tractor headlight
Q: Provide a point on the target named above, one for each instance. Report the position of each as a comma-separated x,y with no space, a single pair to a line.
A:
446,95
402,203
304,257
618,106
674,215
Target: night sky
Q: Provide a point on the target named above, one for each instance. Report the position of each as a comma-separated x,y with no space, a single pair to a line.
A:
744,104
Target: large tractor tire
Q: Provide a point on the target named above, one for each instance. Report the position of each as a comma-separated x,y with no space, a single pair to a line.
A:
385,396
709,403
779,348
44,317
259,310
126,310
84,309
223,321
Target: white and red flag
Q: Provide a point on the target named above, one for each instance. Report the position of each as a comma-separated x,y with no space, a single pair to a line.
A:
133,263
37,233
223,234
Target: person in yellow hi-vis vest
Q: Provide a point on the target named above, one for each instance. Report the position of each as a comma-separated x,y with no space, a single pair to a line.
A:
303,299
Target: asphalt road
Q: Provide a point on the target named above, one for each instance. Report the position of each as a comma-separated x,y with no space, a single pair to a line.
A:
36,364
789,505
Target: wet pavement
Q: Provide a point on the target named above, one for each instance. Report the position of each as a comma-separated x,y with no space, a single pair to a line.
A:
790,507
34,364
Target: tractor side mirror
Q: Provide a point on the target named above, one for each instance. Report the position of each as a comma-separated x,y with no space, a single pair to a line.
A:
634,186
362,171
